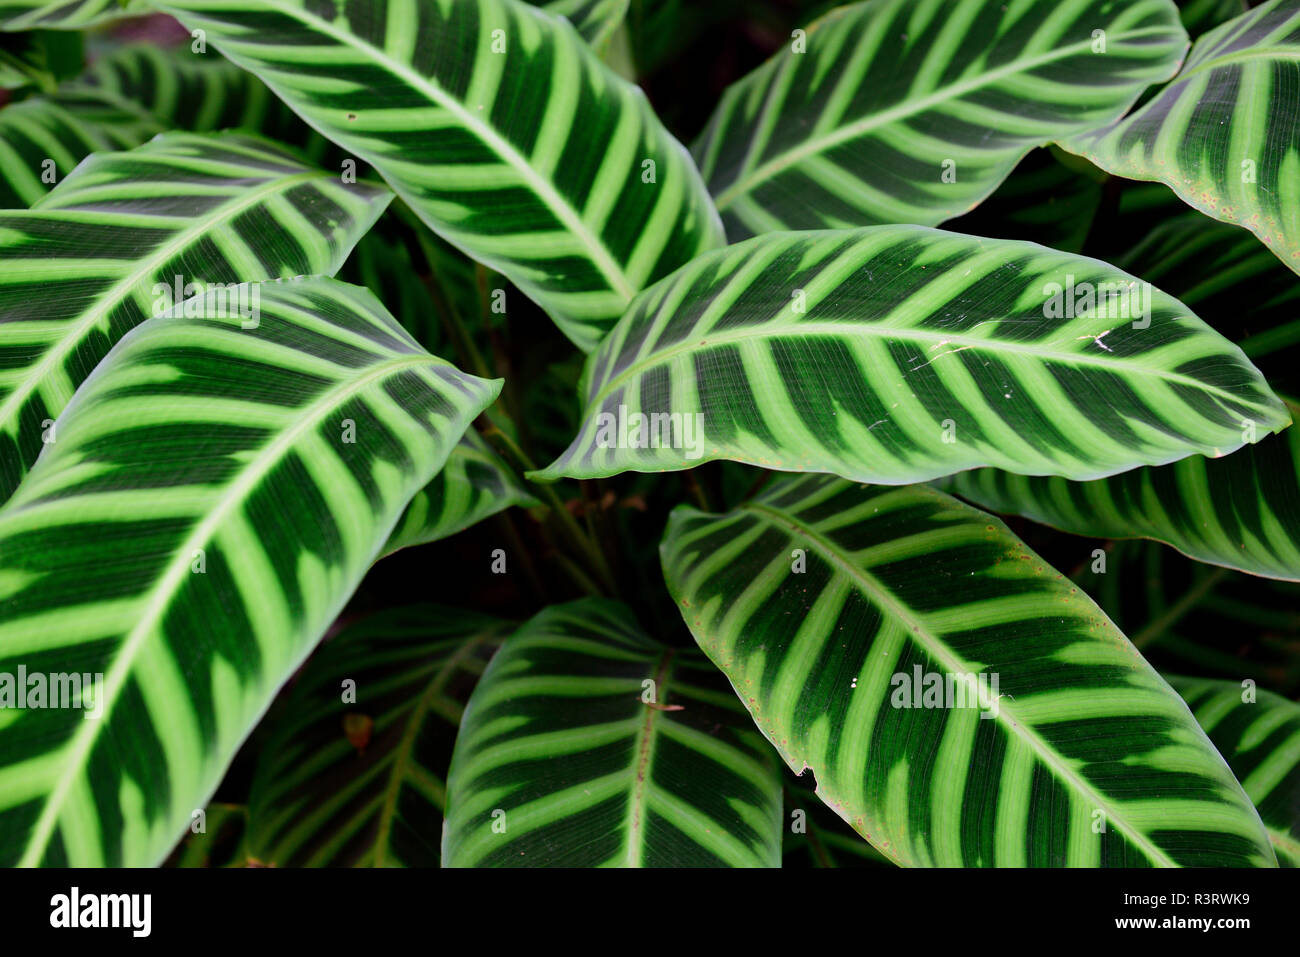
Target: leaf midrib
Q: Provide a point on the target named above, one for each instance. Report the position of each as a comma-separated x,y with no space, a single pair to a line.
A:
399,770
634,820
123,288
157,600
760,174
1283,841
934,645
848,328
112,98
564,211
1242,56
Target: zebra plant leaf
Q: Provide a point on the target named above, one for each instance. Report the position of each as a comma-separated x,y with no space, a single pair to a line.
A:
474,484
1043,201
586,743
362,782
42,139
1258,733
1201,15
815,836
220,844
897,354
104,251
1189,617
1225,134
595,20
126,97
199,92
498,126
63,14
1241,511
208,481
959,702
901,111
1233,282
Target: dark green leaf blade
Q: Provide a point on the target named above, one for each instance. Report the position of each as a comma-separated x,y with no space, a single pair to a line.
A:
1225,133
216,491
361,782
1231,280
123,99
896,354
498,125
199,92
1240,511
474,485
42,139
959,702
586,744
125,237
912,111
1260,739
595,20
1201,15
63,14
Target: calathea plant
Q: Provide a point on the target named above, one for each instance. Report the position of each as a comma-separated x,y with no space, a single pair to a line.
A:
412,453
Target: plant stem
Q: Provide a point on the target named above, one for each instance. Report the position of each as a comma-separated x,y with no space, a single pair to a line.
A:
451,318
580,578
519,460
506,522
600,526
1155,628
696,490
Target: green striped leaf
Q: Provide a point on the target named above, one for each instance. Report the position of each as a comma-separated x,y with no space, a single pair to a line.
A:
208,480
220,842
199,92
1043,201
912,111
63,14
899,353
42,139
103,251
1201,15
1260,738
815,836
1241,511
384,265
587,744
1232,281
474,484
126,97
595,20
500,128
1191,618
1225,134
361,782
849,618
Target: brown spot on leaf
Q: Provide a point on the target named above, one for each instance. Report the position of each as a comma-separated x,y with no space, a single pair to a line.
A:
358,727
